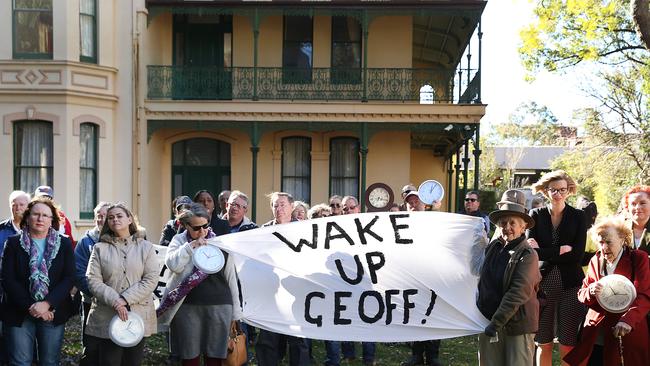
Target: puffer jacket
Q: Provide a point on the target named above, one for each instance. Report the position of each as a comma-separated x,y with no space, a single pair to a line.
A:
125,268
518,311
179,262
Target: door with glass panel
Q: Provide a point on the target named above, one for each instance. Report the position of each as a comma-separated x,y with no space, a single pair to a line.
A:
202,57
200,163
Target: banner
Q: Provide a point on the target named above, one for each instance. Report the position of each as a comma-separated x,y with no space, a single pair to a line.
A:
386,277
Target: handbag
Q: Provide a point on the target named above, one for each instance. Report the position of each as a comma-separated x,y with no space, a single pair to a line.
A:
237,355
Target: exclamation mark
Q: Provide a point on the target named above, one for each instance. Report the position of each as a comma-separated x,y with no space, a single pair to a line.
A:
431,304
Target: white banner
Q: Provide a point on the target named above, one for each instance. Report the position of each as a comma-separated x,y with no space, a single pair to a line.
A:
387,277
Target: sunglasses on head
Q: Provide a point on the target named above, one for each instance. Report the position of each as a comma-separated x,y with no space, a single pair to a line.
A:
197,228
470,200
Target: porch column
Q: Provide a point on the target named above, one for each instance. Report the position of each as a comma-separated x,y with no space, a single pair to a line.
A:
364,45
256,36
457,188
477,154
255,140
450,180
465,166
364,155
480,37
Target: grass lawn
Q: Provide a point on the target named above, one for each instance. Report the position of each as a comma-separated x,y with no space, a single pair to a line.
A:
460,351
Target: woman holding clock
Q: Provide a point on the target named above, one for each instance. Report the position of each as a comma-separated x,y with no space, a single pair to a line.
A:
599,343
122,275
205,307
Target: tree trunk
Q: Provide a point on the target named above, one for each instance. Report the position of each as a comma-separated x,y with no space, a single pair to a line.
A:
641,16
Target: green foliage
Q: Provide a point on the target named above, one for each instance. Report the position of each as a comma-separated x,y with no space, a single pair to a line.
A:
530,124
567,32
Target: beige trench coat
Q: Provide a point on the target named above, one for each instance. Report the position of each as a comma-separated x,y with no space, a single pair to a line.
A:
122,267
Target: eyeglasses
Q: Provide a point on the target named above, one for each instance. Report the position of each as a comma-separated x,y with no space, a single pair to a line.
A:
471,199
197,228
236,205
558,190
346,208
40,216
335,205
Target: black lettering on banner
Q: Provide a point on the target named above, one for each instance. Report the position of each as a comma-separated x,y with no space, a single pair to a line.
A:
408,304
432,303
389,305
319,319
297,248
344,276
342,234
160,286
361,230
397,228
362,304
372,266
338,308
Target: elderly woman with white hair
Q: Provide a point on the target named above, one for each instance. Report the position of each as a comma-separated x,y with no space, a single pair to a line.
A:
507,288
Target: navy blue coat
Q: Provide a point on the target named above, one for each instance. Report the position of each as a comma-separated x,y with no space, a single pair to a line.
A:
15,280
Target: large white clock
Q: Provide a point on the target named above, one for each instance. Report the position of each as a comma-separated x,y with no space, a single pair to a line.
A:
208,258
126,333
618,293
431,191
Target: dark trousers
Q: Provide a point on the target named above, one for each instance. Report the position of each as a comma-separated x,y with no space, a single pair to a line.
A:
90,353
425,349
269,345
110,354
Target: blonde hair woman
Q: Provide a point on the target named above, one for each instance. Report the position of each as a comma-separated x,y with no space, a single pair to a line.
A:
559,237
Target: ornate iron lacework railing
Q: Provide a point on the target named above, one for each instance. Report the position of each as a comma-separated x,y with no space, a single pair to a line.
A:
269,83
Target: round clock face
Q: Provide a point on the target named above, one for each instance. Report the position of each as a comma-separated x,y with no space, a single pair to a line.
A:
208,258
431,191
618,293
126,333
379,197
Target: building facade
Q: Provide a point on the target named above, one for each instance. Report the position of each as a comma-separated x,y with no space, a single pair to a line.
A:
140,101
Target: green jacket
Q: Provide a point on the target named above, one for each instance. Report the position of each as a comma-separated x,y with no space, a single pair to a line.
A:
518,311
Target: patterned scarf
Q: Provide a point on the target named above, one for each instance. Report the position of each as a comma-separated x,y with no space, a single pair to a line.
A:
184,288
39,282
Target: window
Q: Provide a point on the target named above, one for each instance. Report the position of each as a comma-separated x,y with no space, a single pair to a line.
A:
87,170
346,50
88,30
297,49
296,167
32,29
33,162
344,166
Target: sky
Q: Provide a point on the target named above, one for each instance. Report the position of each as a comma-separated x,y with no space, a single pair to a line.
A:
502,80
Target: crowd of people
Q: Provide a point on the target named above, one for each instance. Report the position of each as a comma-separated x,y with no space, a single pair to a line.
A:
532,287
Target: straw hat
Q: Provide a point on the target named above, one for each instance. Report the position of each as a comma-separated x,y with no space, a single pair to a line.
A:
513,203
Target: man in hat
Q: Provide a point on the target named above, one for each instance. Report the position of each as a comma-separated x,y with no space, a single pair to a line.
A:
65,228
413,202
507,288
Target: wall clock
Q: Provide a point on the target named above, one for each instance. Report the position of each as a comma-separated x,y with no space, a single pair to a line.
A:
379,197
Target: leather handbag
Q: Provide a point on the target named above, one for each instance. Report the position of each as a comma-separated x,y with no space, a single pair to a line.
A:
237,355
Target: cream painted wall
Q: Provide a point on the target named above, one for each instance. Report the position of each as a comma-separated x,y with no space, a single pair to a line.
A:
387,153
390,42
6,25
322,41
158,42
270,44
242,33
425,166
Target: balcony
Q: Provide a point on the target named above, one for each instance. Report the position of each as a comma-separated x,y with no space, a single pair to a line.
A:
314,84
